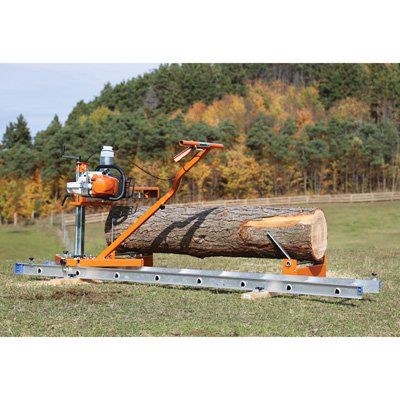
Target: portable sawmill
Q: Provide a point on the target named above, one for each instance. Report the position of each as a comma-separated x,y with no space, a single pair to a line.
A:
108,184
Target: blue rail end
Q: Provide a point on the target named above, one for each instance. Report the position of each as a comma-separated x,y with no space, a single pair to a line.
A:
18,268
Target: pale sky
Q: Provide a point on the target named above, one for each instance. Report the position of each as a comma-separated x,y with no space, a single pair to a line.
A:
38,91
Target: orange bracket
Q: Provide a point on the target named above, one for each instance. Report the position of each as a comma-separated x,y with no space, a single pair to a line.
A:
148,192
291,266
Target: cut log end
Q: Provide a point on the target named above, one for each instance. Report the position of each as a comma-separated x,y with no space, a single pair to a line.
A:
315,221
319,234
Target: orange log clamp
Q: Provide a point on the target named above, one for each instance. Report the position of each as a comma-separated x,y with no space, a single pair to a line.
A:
291,266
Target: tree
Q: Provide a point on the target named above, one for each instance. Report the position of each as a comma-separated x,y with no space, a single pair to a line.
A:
9,136
313,152
384,90
18,162
43,136
258,137
227,134
275,147
338,81
80,109
195,112
150,100
242,176
16,154
350,108
17,133
47,145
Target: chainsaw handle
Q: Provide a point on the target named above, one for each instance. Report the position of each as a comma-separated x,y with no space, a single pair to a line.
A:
201,145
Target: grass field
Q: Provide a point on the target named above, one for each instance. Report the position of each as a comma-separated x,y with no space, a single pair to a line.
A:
363,238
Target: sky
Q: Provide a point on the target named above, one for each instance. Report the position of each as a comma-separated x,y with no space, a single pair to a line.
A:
39,91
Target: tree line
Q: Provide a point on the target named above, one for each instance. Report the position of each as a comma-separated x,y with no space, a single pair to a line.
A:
288,129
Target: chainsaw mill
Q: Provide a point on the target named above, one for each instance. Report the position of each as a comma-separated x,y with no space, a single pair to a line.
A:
108,184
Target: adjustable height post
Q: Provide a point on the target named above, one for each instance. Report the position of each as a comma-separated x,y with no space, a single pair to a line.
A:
79,249
79,231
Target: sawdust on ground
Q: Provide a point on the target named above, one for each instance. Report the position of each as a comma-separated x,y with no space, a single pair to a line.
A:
58,282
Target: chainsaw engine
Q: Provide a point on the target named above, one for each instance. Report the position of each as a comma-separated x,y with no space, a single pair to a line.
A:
94,184
101,183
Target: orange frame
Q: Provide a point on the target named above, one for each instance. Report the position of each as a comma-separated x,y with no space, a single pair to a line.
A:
107,257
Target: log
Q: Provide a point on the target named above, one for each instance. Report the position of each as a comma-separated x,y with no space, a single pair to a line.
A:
236,231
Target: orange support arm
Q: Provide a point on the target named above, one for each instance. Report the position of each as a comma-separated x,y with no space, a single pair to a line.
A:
204,148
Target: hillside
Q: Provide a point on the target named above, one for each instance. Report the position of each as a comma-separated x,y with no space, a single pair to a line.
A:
288,129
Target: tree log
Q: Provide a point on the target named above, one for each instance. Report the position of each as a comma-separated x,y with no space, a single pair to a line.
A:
237,231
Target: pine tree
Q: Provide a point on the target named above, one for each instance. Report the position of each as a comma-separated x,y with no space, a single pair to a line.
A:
22,133
9,136
18,161
17,133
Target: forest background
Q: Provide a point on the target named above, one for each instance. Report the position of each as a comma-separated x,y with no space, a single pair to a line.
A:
288,129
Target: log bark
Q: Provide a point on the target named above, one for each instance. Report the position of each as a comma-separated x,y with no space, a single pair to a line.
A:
237,231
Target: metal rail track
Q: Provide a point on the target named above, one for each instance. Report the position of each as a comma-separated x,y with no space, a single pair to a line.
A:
197,278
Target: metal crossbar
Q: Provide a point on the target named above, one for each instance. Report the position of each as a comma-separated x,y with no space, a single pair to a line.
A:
242,281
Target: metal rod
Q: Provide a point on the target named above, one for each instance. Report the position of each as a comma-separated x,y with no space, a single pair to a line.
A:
79,231
277,244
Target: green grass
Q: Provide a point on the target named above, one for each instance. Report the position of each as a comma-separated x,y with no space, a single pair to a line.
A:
363,238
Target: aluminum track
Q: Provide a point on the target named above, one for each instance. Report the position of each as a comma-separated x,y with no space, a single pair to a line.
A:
242,281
